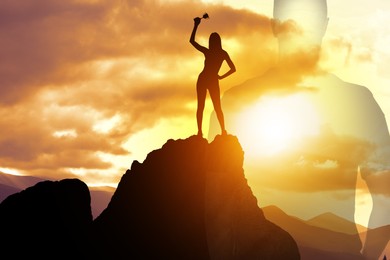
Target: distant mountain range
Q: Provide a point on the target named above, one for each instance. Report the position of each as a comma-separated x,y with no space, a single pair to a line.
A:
317,241
310,234
326,236
335,223
177,204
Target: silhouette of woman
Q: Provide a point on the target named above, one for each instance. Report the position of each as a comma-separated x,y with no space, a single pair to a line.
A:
208,79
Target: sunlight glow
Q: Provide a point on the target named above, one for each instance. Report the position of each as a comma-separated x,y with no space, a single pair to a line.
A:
98,177
328,164
232,44
273,125
104,126
10,171
363,209
65,133
147,140
261,7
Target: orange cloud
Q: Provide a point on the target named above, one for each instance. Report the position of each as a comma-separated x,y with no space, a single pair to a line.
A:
66,66
327,162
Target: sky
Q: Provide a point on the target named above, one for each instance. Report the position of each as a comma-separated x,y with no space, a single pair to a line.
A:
89,86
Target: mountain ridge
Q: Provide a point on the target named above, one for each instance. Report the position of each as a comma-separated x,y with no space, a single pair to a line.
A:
218,217
273,213
336,223
187,200
316,242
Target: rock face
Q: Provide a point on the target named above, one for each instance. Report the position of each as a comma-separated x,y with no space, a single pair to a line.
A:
189,200
49,220
236,226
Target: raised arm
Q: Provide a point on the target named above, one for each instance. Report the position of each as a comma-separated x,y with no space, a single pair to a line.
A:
192,38
231,66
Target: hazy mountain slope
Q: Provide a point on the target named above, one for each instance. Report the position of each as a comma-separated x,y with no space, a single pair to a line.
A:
312,240
335,223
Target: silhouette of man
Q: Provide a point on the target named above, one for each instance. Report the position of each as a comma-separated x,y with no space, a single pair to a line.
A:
328,128
209,79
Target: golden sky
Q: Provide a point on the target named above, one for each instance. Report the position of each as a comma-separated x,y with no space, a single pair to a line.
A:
88,86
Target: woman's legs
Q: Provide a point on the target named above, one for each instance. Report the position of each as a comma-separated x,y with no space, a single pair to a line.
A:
215,98
201,95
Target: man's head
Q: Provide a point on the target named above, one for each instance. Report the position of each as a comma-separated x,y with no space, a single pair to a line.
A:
306,18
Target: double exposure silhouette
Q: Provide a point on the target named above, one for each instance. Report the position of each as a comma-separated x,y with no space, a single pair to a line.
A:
307,133
209,79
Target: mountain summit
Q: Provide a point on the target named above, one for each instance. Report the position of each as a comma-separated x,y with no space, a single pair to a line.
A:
187,200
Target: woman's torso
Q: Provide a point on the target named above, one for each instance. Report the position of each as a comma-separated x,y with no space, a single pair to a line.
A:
213,61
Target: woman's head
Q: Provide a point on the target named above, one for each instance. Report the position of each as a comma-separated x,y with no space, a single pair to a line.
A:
215,41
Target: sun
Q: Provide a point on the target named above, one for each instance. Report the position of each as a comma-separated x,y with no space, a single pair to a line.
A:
273,125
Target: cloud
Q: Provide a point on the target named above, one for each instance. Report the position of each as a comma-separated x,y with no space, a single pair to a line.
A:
70,66
29,137
48,42
328,164
325,162
41,38
376,171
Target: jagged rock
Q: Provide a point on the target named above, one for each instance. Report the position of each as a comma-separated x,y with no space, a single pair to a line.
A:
189,200
157,211
49,220
236,226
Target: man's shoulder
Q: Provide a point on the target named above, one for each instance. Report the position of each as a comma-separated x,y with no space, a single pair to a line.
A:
349,86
